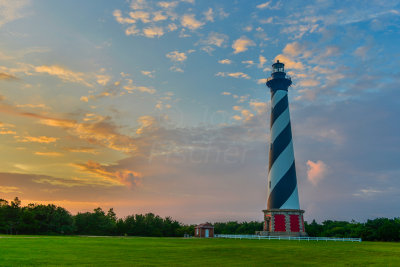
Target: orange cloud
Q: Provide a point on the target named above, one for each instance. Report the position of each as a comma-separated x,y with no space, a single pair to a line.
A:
146,123
176,56
233,74
316,171
309,83
143,89
292,49
118,177
242,44
140,15
49,154
259,107
89,150
225,61
289,63
118,16
4,132
64,74
39,139
8,77
262,61
190,22
42,106
152,32
4,128
102,131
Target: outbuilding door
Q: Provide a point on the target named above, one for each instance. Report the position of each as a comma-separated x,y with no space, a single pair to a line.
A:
207,233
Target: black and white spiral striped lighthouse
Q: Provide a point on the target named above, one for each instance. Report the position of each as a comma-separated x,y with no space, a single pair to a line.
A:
283,215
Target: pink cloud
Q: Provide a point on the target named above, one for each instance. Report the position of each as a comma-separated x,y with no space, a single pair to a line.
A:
316,171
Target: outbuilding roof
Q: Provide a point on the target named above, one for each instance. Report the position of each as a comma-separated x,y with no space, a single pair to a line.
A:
205,225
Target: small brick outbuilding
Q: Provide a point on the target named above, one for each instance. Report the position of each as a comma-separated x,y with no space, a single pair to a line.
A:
204,230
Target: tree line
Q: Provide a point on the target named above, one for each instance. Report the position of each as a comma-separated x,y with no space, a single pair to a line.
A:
380,229
53,220
49,219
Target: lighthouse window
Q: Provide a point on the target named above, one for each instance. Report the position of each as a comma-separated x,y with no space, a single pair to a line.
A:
269,184
278,69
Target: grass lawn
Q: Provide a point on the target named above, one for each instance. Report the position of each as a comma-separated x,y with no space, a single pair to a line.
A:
106,251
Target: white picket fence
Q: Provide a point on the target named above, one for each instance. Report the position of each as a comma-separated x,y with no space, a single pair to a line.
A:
290,238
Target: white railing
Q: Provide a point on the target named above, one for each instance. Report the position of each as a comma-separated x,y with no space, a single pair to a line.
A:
342,239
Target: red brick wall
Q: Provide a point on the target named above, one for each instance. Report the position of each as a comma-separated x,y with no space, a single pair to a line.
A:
294,223
279,223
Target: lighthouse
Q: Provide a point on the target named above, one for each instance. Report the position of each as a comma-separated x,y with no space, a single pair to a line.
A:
283,215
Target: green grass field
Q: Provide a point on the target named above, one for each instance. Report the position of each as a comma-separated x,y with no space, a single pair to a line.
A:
106,251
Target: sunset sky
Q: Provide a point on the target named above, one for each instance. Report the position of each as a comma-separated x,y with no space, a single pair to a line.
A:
161,106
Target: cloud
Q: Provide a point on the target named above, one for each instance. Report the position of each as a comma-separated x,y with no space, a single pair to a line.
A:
292,49
148,73
101,131
176,56
176,69
49,154
138,4
262,61
233,74
89,150
167,5
153,32
4,125
316,171
147,123
209,15
309,83
103,79
64,74
264,5
289,63
39,139
368,192
118,16
246,114
6,132
189,21
142,89
237,117
41,106
362,52
159,16
262,81
120,177
237,108
268,5
132,30
9,189
248,62
259,107
11,10
140,15
8,77
242,44
216,39
172,27
225,61
4,129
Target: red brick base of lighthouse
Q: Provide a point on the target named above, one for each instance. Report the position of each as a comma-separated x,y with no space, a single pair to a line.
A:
283,222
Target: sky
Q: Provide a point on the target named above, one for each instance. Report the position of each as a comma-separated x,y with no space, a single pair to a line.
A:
161,106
